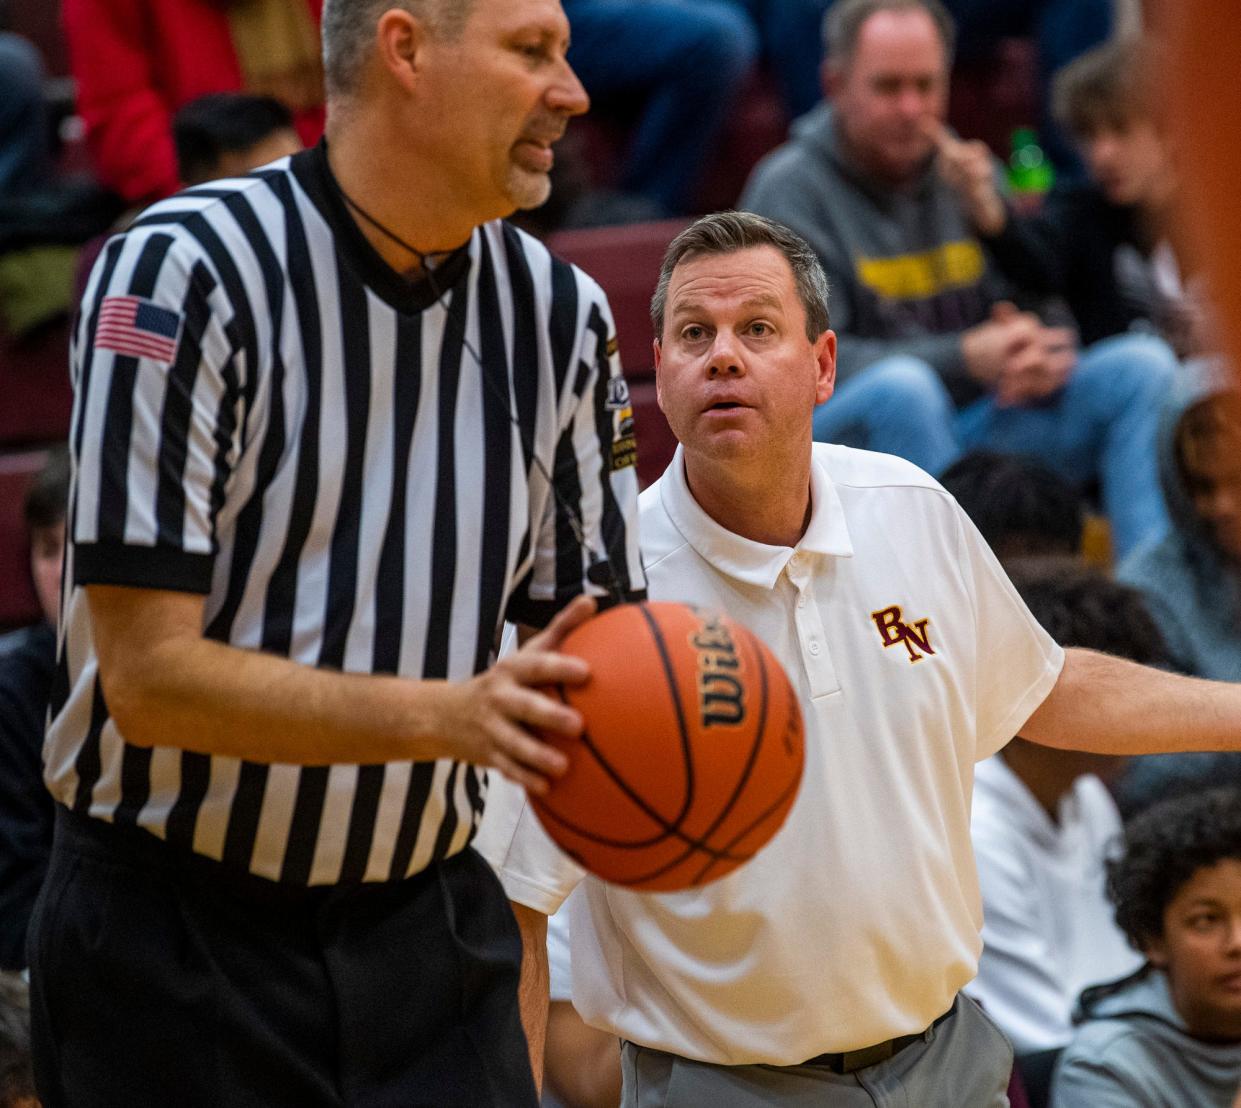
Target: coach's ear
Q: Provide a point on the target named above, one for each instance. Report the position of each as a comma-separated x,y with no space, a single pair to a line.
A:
401,37
659,388
825,361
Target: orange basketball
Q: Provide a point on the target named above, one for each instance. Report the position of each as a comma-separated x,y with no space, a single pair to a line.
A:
692,751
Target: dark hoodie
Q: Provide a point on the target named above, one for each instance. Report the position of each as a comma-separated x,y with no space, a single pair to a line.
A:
1133,1050
1191,590
1094,253
906,271
27,664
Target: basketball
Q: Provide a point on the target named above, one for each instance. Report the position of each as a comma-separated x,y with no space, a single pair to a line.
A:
692,751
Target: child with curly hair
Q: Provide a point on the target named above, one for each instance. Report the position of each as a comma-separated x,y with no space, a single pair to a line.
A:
1168,1036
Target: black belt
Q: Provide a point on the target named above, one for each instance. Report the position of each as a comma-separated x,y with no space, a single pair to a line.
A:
849,1060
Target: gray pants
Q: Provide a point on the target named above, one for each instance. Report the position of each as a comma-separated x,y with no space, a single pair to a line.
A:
965,1062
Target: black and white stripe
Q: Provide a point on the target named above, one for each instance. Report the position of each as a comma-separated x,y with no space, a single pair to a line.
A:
330,464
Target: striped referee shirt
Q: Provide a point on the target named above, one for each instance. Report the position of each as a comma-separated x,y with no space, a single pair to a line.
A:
347,466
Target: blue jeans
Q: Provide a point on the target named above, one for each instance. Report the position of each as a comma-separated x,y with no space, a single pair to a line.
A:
792,34
24,155
684,62
1100,427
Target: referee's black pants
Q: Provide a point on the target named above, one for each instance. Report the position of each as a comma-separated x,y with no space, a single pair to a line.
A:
158,978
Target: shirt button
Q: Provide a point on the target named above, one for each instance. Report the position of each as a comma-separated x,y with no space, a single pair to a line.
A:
795,559
801,601
814,649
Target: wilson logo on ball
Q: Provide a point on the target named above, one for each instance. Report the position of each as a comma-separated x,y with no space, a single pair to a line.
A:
692,752
721,695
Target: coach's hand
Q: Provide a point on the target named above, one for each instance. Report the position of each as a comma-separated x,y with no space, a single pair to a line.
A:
492,716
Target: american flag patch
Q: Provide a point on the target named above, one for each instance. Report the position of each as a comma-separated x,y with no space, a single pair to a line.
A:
136,327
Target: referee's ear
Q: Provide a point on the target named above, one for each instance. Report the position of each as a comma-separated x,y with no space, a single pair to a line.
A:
401,38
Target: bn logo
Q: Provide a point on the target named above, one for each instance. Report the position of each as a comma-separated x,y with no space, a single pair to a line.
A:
893,630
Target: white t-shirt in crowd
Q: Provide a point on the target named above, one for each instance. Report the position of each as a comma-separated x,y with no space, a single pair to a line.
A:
860,920
1048,929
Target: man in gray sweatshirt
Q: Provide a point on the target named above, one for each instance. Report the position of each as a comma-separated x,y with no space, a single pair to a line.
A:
934,357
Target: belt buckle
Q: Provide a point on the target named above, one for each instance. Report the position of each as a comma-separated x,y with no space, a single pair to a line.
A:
852,1060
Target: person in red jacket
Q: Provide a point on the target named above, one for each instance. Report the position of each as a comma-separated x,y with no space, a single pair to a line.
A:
137,61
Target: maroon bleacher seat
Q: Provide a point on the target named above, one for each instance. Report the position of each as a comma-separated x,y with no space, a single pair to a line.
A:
35,397
625,261
756,126
18,604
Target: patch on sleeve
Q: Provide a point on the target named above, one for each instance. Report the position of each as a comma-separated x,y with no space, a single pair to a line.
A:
137,328
618,395
624,446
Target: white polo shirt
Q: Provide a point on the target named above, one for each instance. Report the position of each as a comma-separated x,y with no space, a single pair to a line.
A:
860,920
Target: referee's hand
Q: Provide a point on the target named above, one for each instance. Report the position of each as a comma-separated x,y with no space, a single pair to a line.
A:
498,711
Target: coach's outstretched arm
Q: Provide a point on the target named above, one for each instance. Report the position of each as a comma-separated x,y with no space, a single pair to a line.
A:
1111,706
165,684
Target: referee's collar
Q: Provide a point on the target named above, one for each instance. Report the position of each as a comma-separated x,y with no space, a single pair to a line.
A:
755,563
313,173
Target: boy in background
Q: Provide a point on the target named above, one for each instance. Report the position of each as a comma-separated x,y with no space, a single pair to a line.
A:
1042,823
27,664
1170,1035
227,134
1107,245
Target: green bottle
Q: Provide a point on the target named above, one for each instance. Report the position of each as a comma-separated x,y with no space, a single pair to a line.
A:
1030,174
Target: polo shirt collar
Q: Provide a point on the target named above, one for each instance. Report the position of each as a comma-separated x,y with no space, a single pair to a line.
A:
755,563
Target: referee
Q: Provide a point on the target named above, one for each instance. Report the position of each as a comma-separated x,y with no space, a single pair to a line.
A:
334,423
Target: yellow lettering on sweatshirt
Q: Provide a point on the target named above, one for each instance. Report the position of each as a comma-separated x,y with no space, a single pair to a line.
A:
953,265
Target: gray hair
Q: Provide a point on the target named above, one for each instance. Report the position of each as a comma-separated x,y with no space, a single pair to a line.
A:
843,22
728,232
348,30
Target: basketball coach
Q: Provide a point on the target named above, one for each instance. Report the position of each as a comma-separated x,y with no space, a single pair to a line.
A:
828,969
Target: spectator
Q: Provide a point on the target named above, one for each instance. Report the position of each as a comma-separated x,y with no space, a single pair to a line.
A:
137,61
684,62
1062,29
1191,578
227,134
27,662
1041,824
16,1069
1170,1035
1020,507
922,317
24,155
1105,245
